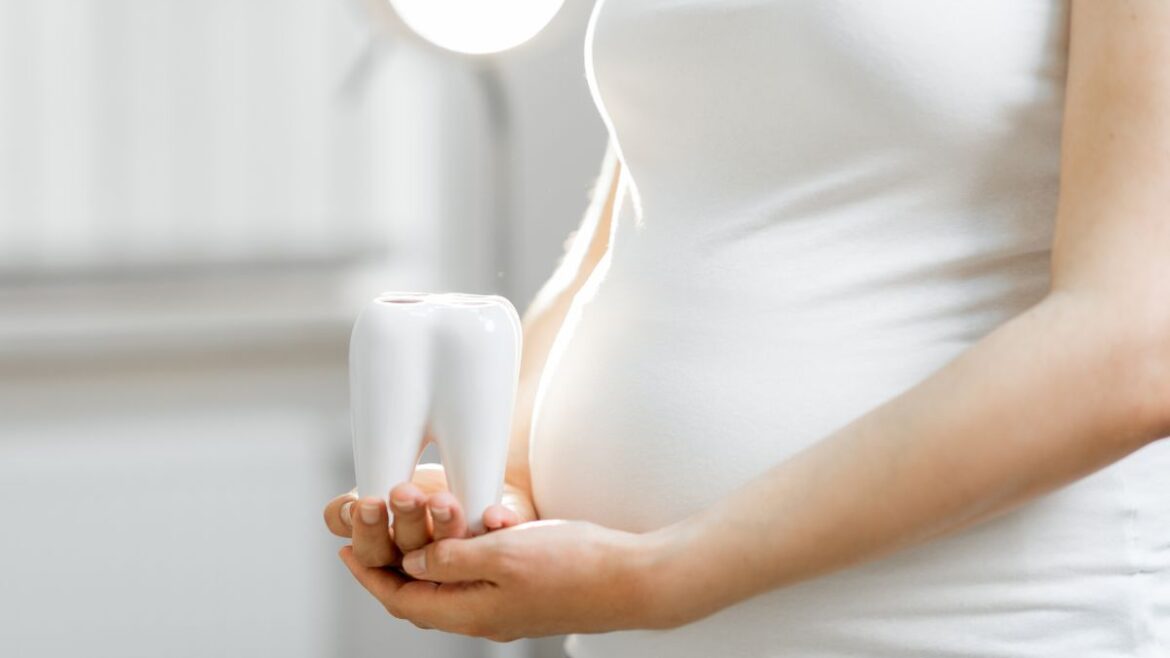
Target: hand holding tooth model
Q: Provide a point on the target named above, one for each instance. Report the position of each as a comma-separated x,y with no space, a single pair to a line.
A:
447,362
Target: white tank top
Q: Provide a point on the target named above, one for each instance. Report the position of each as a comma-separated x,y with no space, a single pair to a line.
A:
822,203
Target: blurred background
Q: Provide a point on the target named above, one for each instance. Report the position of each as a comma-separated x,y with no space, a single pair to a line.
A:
195,200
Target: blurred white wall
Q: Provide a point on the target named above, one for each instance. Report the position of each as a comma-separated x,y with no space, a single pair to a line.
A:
195,197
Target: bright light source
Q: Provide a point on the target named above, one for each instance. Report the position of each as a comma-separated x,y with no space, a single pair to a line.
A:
477,26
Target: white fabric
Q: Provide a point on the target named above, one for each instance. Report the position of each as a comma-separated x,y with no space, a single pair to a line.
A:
823,203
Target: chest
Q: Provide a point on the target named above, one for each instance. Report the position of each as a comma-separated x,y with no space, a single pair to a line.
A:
957,65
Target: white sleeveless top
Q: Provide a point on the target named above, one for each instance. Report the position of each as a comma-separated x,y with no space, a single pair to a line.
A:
823,202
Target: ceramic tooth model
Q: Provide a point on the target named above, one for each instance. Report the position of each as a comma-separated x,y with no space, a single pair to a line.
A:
445,361
389,371
475,365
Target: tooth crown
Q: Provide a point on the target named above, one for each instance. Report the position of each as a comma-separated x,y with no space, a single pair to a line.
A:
444,361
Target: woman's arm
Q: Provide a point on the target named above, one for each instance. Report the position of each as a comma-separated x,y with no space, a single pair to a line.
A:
1075,383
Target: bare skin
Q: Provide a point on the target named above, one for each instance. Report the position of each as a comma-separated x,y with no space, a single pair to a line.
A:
1067,387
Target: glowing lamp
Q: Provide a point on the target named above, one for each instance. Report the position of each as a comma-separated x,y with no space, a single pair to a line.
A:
476,27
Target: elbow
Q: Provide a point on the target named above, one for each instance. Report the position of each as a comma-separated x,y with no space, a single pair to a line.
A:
1131,341
1151,360
1144,349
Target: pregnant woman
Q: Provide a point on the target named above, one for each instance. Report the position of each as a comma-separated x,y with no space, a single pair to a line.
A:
863,348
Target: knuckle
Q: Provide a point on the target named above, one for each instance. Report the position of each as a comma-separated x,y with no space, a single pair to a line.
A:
507,562
406,545
443,555
407,528
367,557
410,527
506,569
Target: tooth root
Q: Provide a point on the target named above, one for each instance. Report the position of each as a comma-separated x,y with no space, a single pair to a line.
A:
475,366
389,365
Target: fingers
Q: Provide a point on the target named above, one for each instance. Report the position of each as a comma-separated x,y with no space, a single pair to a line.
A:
448,517
453,560
429,478
411,530
338,514
500,516
382,583
372,546
418,601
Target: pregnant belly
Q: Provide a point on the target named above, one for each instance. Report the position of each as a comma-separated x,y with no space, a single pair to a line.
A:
651,409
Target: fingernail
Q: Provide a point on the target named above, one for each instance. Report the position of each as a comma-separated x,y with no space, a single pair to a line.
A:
369,512
407,505
415,563
441,514
347,514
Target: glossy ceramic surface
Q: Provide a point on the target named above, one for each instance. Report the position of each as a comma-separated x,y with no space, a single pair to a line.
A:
443,362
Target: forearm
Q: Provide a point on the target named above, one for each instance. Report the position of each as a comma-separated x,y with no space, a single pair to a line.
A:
1052,395
544,317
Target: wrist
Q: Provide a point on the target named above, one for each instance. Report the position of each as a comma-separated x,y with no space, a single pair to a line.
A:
675,581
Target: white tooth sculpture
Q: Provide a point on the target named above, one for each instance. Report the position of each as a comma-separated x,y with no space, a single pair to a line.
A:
445,361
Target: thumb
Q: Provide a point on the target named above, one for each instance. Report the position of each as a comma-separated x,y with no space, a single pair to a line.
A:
451,560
